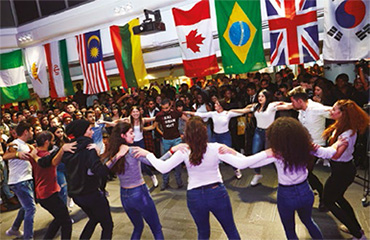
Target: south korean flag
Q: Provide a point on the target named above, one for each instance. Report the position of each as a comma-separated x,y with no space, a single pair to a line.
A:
346,30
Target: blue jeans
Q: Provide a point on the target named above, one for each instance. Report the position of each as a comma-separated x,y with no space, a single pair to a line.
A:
139,205
4,185
203,200
166,145
62,182
25,193
258,143
297,198
224,138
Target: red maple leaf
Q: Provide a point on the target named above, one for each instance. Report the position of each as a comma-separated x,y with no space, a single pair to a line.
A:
193,40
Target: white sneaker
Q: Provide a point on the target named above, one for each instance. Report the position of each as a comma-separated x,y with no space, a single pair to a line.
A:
11,232
319,161
326,163
70,202
155,181
238,174
256,179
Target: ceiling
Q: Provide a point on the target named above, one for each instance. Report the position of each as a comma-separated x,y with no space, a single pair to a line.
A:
15,13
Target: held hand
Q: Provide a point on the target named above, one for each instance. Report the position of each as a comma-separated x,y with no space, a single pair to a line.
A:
100,122
139,152
226,150
92,146
269,152
315,146
32,154
25,155
70,147
182,147
342,141
123,149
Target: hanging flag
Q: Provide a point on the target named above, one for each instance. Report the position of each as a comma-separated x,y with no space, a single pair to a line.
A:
128,55
36,66
57,60
346,30
240,35
91,59
294,36
13,84
194,30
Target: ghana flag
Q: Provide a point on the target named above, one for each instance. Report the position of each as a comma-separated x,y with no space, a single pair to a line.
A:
240,35
128,55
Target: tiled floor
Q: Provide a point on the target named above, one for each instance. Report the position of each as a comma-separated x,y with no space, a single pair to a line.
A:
254,208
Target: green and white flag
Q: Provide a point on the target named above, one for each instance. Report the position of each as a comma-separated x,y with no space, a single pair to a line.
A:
36,66
13,84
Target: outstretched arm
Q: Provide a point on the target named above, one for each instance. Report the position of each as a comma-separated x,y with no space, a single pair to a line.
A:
240,161
247,109
160,165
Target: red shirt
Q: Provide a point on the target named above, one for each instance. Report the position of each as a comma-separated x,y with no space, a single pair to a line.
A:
45,178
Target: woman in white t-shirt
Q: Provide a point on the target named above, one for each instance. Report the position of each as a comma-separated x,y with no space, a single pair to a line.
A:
291,152
264,112
221,119
202,105
205,191
350,119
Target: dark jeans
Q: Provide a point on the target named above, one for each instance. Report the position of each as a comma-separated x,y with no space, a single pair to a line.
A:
139,206
56,207
258,143
96,206
342,176
298,198
215,199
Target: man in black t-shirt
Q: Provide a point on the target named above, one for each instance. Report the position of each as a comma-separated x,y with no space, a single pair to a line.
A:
168,119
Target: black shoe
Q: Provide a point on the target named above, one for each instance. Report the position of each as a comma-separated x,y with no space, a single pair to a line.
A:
164,187
322,207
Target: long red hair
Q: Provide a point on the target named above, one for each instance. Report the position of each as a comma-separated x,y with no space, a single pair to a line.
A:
353,118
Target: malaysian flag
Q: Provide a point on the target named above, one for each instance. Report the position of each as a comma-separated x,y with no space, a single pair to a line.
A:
294,33
91,60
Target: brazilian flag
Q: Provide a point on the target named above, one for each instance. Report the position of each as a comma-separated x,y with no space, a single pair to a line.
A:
240,35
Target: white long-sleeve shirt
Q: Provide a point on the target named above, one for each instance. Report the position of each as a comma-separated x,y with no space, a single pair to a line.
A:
285,177
347,154
313,118
206,173
220,120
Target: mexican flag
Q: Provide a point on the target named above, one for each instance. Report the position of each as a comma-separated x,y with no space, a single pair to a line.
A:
240,35
60,78
13,84
128,55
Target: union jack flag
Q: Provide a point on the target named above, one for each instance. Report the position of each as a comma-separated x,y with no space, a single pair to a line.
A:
294,33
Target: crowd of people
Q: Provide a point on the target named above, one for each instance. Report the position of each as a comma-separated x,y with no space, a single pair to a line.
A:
63,152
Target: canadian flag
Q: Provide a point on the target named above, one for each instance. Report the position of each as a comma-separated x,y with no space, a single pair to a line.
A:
194,29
